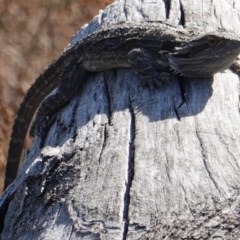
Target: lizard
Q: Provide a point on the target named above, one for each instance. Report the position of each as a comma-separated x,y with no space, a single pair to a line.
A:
152,49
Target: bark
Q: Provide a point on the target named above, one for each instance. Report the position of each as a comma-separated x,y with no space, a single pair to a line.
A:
125,162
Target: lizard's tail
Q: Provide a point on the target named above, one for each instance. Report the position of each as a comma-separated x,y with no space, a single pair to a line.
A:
43,85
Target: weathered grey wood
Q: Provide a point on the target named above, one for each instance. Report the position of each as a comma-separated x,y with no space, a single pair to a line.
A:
122,161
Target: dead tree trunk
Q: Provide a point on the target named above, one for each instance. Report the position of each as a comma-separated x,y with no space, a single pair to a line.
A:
125,162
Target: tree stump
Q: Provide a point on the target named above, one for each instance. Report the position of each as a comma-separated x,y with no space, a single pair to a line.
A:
124,162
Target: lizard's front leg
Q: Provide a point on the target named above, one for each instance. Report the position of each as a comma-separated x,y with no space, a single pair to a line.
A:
151,67
70,81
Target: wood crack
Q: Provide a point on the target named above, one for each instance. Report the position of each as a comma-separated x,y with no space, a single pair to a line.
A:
206,164
108,96
182,16
130,173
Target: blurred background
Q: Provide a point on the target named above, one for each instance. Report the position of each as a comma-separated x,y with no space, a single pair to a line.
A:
32,35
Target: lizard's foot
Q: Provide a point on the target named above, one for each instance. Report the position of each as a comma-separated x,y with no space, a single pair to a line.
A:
41,125
236,65
151,67
154,81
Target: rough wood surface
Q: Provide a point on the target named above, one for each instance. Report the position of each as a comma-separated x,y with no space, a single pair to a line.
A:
124,162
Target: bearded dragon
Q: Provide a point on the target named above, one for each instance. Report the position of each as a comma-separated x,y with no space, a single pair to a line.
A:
152,50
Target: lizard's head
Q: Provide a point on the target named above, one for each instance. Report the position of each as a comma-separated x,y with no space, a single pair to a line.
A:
206,55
